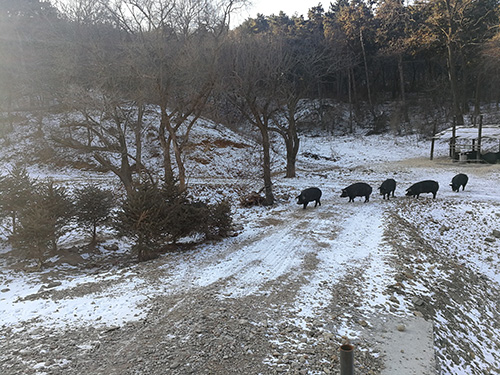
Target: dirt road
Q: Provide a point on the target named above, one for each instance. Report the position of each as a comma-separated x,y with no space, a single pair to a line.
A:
282,296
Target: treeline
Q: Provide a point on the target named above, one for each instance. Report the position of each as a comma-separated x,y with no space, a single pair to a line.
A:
372,51
349,50
110,61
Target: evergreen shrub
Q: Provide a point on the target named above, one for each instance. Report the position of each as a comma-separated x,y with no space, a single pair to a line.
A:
154,215
45,217
93,207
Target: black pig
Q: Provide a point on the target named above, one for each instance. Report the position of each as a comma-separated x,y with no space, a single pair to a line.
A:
459,180
427,186
309,195
359,189
387,187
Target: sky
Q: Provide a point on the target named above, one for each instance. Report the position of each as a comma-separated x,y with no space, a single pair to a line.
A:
267,7
290,7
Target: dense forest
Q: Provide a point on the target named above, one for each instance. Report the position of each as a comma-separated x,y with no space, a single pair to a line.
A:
350,51
110,61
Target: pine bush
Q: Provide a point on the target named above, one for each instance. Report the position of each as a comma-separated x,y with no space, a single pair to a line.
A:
46,217
16,191
93,207
153,215
141,218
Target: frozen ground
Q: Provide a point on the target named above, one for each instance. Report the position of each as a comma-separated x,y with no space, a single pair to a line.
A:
283,294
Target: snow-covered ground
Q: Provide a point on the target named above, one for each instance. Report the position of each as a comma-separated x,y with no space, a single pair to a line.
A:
322,247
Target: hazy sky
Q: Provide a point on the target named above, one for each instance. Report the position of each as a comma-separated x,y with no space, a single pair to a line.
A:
268,7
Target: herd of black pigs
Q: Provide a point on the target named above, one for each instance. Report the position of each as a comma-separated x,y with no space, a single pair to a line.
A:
362,189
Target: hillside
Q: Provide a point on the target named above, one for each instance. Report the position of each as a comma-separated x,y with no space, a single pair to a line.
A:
290,287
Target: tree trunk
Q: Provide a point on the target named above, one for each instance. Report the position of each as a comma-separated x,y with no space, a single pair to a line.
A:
178,157
292,148
292,141
402,88
350,78
477,97
452,75
266,150
367,74
94,233
138,138
123,172
126,174
462,85
167,160
165,142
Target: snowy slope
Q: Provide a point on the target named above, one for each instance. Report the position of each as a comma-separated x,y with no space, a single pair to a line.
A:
319,248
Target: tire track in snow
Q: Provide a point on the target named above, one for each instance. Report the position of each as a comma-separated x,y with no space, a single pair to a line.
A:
315,245
359,244
263,255
278,245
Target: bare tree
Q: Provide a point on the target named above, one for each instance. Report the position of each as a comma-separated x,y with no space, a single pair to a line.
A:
301,69
461,26
83,12
103,94
105,130
253,77
176,46
133,53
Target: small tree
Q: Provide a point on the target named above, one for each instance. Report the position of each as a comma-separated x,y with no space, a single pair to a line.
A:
141,218
44,219
93,207
220,220
16,190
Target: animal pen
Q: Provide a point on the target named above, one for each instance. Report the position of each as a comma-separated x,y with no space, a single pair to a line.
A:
469,143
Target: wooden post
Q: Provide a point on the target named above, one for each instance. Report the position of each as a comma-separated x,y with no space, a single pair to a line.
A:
479,136
433,139
453,138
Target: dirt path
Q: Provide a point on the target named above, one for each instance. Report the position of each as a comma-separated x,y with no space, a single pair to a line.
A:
270,300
